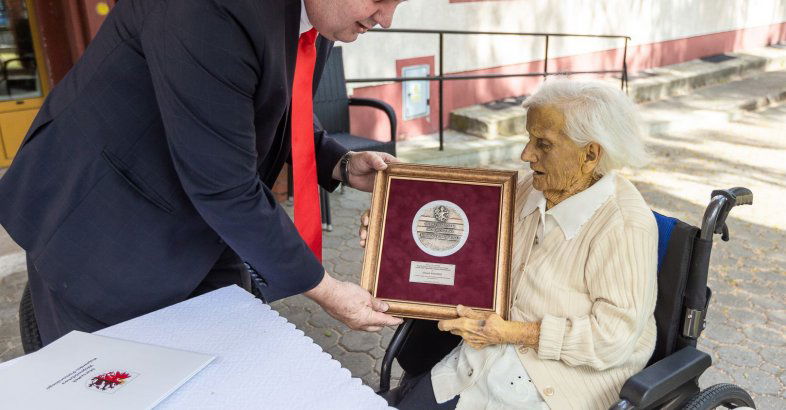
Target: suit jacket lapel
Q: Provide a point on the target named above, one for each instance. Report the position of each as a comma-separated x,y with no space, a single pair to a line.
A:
324,47
291,35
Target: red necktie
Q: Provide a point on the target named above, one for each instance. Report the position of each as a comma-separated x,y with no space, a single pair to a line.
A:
307,210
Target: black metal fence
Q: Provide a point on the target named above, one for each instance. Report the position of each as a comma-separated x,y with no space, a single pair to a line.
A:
441,78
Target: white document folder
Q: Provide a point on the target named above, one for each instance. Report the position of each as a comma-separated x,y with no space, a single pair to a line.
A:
87,371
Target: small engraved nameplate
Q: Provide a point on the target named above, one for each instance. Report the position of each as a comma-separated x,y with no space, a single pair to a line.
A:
432,273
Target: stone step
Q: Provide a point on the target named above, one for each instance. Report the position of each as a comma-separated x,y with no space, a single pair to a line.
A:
461,150
506,118
716,104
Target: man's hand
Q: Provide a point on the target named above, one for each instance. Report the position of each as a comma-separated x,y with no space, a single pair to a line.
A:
352,305
363,167
481,329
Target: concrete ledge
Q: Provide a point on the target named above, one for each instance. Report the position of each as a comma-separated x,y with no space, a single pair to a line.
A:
489,122
462,153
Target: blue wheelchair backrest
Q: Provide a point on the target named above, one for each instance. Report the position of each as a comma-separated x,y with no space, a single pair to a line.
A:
665,226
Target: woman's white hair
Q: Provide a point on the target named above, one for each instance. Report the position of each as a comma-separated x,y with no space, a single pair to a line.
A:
597,112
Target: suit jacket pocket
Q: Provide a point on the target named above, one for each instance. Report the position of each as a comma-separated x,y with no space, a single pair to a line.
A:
137,183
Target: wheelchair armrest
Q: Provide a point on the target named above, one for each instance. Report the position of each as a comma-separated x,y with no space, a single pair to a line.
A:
381,105
401,334
655,382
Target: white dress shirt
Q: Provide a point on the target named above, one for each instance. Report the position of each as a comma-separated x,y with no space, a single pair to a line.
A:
572,213
305,24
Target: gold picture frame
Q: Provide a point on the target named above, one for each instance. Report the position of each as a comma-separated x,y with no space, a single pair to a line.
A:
451,178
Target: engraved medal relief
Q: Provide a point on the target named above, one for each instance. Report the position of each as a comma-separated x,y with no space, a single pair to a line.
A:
440,228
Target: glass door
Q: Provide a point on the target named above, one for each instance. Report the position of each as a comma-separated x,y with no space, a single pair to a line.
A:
22,88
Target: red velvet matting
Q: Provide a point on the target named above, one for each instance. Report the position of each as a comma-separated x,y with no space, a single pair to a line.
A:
475,261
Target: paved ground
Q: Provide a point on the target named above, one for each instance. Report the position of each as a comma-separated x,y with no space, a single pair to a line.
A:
746,329
747,319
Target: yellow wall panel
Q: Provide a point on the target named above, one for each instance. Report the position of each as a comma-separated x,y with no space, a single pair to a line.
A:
13,126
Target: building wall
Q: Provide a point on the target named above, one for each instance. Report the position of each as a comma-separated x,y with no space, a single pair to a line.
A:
662,32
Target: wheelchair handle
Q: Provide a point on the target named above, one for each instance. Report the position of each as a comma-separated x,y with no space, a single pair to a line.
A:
714,222
743,196
722,201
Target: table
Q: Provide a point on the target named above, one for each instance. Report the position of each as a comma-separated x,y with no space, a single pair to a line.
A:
263,361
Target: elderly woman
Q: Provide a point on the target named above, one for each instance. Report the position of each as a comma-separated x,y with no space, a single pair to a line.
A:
584,277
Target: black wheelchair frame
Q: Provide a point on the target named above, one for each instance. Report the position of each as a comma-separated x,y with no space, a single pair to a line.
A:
670,380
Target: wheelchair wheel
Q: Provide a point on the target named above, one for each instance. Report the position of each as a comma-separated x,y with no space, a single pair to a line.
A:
722,395
28,327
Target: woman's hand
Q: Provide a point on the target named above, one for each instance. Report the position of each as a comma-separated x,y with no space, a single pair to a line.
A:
481,329
363,232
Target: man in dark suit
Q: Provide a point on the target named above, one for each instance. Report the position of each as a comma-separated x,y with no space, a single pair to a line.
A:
145,178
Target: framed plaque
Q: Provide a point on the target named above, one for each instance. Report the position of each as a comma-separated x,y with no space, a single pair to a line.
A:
439,237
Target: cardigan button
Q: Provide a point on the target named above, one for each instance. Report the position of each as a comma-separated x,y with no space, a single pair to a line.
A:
523,350
548,391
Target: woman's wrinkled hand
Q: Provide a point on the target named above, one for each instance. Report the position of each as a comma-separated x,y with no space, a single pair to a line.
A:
481,329
363,232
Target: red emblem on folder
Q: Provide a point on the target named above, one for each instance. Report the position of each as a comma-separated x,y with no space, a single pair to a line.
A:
110,381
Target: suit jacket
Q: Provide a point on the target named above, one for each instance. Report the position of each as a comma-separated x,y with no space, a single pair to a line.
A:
158,149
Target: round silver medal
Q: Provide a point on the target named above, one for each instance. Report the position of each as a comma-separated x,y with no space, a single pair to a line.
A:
440,228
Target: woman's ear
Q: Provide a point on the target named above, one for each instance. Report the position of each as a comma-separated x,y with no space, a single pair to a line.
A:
592,154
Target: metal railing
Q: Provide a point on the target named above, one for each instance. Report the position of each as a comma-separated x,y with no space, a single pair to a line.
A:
441,78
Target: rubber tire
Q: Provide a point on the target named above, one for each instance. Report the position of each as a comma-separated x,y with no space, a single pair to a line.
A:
28,327
719,395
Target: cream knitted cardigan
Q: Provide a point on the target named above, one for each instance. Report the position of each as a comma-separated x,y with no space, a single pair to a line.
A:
594,296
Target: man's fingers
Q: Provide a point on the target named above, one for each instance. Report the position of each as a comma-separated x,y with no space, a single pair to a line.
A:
390,159
382,319
379,305
371,328
363,231
378,162
375,321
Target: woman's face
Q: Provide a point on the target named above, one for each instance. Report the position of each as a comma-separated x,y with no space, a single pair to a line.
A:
556,160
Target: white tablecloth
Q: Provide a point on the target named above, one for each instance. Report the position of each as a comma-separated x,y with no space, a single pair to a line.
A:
263,361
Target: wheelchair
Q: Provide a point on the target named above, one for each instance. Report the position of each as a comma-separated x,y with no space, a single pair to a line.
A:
670,379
